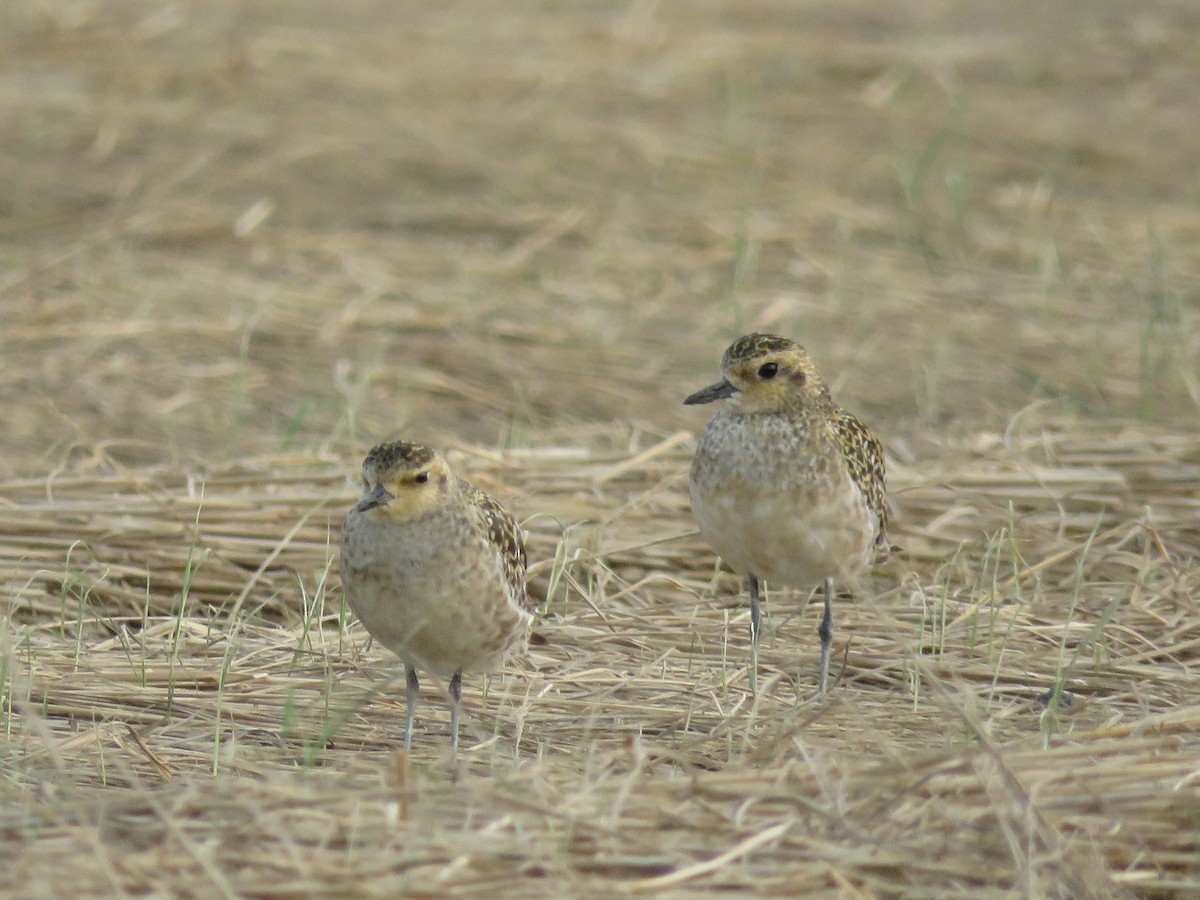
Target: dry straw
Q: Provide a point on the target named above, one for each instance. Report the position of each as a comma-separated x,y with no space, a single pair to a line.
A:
239,228
1014,711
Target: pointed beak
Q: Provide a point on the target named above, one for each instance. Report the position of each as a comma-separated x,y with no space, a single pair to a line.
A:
719,391
378,497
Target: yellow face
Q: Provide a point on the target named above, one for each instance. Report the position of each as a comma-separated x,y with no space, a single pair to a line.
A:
403,482
772,380
763,373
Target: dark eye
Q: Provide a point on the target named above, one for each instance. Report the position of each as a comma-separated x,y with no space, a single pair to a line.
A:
767,371
422,478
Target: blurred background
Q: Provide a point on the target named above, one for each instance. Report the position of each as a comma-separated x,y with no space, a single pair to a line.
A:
233,228
241,241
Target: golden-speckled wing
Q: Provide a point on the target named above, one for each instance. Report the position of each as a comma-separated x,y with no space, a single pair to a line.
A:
864,458
505,533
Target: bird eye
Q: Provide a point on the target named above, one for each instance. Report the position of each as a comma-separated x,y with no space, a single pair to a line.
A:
422,478
767,371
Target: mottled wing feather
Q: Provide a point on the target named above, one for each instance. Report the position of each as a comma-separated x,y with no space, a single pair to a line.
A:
864,458
505,533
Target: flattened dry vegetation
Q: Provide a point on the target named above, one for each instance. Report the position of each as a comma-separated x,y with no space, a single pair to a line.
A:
1013,708
246,243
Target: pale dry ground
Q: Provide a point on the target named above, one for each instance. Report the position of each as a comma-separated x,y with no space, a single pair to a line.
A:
243,241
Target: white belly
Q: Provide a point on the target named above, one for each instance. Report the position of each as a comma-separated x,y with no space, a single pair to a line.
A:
795,539
467,633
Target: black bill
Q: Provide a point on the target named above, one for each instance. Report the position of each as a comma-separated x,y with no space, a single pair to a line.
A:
719,391
379,496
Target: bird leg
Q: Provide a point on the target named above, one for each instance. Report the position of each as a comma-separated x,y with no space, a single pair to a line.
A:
755,631
825,630
411,692
455,697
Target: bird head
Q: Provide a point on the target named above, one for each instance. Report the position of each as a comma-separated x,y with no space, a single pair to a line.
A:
764,372
403,481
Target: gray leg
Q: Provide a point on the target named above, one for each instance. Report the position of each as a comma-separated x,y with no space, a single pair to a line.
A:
412,690
755,631
825,630
455,696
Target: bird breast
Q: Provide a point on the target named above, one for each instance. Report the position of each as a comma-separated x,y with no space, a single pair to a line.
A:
432,590
774,498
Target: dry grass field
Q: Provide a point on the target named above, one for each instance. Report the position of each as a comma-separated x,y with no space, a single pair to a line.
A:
242,241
